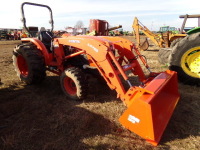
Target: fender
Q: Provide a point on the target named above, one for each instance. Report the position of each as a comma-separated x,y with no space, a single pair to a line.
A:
40,46
195,30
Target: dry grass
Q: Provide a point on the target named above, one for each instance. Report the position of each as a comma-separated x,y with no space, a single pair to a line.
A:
41,118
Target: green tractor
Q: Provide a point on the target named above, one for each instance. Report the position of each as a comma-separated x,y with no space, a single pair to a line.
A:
184,56
3,34
164,29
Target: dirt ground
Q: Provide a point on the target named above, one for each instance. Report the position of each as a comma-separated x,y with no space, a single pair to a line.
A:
39,117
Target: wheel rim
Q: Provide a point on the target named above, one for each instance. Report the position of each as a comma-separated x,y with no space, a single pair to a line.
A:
22,65
70,86
190,62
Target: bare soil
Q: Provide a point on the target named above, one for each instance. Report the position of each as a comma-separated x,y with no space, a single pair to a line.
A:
40,117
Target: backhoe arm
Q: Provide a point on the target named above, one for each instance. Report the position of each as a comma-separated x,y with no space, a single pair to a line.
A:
138,26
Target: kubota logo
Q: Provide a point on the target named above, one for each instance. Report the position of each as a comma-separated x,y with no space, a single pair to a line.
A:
133,119
94,48
74,41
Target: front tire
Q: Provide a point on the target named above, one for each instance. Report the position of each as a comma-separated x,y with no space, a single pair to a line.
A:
74,83
29,63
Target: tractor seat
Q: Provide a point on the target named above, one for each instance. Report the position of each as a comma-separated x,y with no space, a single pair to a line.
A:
46,38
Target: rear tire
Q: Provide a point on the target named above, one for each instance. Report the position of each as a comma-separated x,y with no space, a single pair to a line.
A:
163,55
173,43
185,59
74,83
29,63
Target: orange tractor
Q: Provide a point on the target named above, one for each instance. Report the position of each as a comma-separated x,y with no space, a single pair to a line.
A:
149,105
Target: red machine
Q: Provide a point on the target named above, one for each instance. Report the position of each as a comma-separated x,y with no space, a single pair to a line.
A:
99,26
149,106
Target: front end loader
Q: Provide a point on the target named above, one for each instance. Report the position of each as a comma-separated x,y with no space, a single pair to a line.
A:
149,105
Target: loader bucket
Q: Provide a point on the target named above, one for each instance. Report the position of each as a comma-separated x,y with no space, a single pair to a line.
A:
148,114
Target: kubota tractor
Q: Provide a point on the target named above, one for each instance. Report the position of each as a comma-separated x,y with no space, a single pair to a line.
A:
149,106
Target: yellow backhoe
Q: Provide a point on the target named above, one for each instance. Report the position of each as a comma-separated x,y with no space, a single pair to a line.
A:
163,40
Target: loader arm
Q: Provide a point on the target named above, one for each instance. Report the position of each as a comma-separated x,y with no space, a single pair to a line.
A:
101,52
138,26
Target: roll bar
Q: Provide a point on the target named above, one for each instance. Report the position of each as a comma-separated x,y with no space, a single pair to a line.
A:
40,5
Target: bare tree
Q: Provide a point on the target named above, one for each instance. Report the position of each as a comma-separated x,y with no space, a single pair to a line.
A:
79,24
66,27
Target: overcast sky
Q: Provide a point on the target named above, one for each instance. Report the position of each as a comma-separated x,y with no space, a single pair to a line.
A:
152,13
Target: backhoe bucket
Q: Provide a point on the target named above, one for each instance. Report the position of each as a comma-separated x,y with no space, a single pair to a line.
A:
145,45
150,108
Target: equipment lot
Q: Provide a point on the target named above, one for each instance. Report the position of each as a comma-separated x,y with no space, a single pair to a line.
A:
40,117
